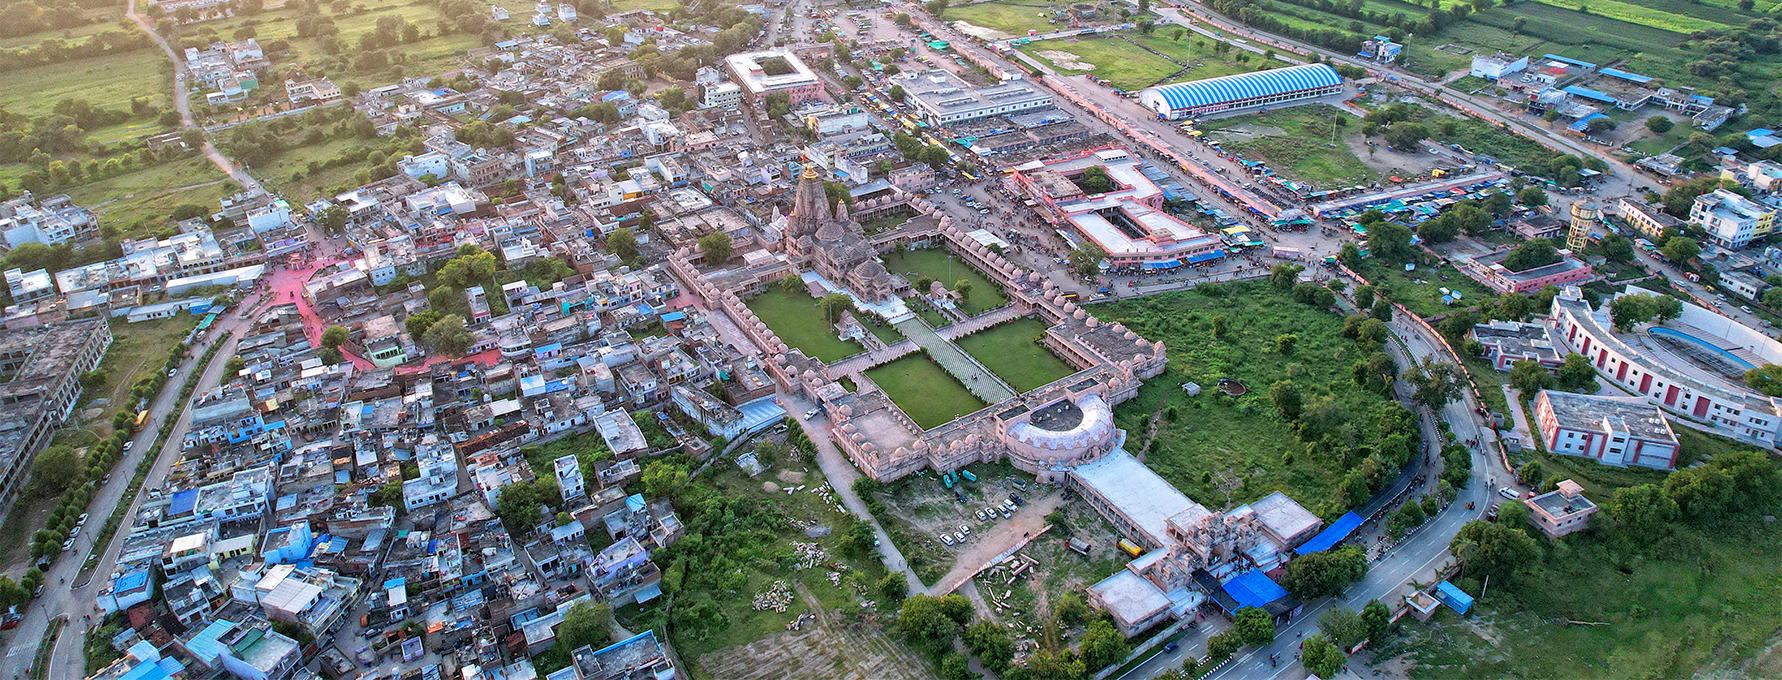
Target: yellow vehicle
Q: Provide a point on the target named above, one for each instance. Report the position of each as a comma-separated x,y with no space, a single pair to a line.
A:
1130,548
141,418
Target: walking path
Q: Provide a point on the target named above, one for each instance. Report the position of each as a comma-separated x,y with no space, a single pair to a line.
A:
979,380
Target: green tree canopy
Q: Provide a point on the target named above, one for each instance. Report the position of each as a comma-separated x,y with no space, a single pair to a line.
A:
716,247
1324,574
1254,626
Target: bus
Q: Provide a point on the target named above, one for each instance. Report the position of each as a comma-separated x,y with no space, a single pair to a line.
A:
141,419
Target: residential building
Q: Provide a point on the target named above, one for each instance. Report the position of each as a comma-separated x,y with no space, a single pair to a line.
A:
1507,342
1561,511
789,76
1731,220
1496,66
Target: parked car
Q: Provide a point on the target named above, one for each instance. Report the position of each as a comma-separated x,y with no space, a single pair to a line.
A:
68,545
81,521
947,538
813,413
965,529
127,446
959,537
980,515
1509,493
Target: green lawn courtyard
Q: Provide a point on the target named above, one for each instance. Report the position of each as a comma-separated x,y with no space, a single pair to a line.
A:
943,266
1012,352
1007,18
925,392
794,317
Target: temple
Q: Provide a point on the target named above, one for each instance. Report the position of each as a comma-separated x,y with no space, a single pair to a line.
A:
834,246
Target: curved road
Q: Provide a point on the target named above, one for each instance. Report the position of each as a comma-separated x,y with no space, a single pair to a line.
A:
182,103
68,661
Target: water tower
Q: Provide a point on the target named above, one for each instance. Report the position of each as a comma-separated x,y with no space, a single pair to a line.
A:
1585,217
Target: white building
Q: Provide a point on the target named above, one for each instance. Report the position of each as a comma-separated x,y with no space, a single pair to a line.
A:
1619,431
566,13
569,477
721,96
942,98
1672,382
439,475
1731,220
1496,66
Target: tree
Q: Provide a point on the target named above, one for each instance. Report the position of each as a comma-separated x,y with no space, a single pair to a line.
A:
1284,275
1576,374
1766,379
1659,124
1436,383
1538,252
586,624
922,620
1254,626
1321,657
1284,343
897,93
1086,259
833,305
333,219
1377,618
990,643
893,586
664,478
1287,399
937,8
56,468
1532,196
1405,135
1681,249
333,336
622,242
953,665
1616,248
1343,626
1223,645
1530,473
1069,609
448,335
234,366
1364,295
716,247
1101,645
519,504
1324,574
1705,493
1390,241
1095,180
1644,509
1492,549
1530,377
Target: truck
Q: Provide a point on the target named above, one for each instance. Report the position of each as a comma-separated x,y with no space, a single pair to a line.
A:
1130,548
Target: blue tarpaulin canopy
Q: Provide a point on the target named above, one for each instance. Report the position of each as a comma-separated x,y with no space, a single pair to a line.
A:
1331,535
1451,595
1213,254
1254,589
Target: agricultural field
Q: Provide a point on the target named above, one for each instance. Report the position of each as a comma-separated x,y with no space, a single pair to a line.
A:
795,318
1295,143
943,266
1222,450
925,391
139,202
104,19
1657,17
1013,352
1198,52
109,82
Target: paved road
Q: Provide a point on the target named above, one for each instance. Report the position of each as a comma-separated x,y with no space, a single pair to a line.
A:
69,660
182,103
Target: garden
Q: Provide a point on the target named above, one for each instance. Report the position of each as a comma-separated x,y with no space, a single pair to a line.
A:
1013,352
1222,450
942,265
794,317
925,391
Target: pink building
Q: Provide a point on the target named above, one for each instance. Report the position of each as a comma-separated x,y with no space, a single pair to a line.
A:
1568,271
775,71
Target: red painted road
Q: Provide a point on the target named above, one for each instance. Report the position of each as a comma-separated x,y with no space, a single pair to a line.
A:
287,288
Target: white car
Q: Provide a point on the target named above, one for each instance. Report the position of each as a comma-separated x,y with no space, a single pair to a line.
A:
980,514
1509,493
965,529
947,539
81,521
959,537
